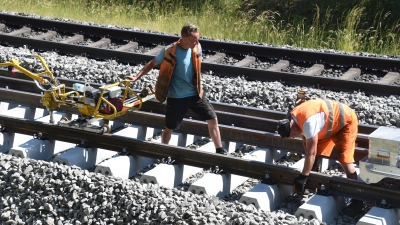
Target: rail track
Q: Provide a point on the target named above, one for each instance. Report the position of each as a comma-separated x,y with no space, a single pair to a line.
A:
387,85
148,117
248,168
238,124
259,124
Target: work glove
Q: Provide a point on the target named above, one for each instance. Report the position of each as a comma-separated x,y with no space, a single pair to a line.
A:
299,184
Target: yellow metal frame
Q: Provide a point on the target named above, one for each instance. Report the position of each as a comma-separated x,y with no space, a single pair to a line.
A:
55,96
126,107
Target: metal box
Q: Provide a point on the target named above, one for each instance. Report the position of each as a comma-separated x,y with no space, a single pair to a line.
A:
383,159
113,92
92,93
384,145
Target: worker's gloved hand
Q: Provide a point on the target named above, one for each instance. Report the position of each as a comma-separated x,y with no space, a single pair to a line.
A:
299,184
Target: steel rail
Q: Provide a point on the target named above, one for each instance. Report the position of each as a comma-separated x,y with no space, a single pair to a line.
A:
228,132
255,115
229,117
233,115
234,165
242,49
325,83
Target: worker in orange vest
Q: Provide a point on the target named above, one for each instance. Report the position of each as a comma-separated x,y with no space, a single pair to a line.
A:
324,124
179,82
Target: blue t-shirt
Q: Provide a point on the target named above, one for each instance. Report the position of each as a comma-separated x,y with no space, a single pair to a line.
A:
182,82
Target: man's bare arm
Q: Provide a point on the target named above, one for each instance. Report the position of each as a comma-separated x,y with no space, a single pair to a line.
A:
150,65
311,151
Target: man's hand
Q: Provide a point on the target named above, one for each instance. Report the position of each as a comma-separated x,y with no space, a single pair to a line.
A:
299,184
131,78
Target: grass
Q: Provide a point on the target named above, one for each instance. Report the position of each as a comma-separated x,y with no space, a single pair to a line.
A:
224,19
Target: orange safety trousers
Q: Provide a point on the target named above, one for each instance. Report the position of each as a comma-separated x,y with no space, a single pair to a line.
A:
344,140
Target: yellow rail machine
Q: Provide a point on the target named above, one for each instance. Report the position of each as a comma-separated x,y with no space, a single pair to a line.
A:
107,102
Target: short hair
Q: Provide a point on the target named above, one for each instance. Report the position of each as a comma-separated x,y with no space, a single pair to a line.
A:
284,128
188,29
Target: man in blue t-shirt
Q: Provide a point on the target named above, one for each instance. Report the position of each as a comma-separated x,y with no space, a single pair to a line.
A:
184,89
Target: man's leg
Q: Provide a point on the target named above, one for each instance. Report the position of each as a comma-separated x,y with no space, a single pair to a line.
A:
206,111
350,171
356,206
166,135
213,129
176,110
345,142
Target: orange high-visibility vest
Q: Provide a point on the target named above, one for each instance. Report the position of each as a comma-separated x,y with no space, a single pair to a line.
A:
167,69
337,115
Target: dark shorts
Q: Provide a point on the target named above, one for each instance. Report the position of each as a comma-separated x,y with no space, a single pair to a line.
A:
178,107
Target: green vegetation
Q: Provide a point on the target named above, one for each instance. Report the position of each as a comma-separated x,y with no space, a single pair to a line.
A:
348,25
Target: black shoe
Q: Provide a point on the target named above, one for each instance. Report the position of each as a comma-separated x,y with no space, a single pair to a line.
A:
354,208
221,151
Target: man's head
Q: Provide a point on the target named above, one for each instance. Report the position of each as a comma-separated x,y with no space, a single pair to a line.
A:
190,36
287,128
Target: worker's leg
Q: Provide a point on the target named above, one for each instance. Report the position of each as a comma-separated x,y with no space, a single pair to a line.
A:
213,129
176,110
166,135
206,111
350,170
345,141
